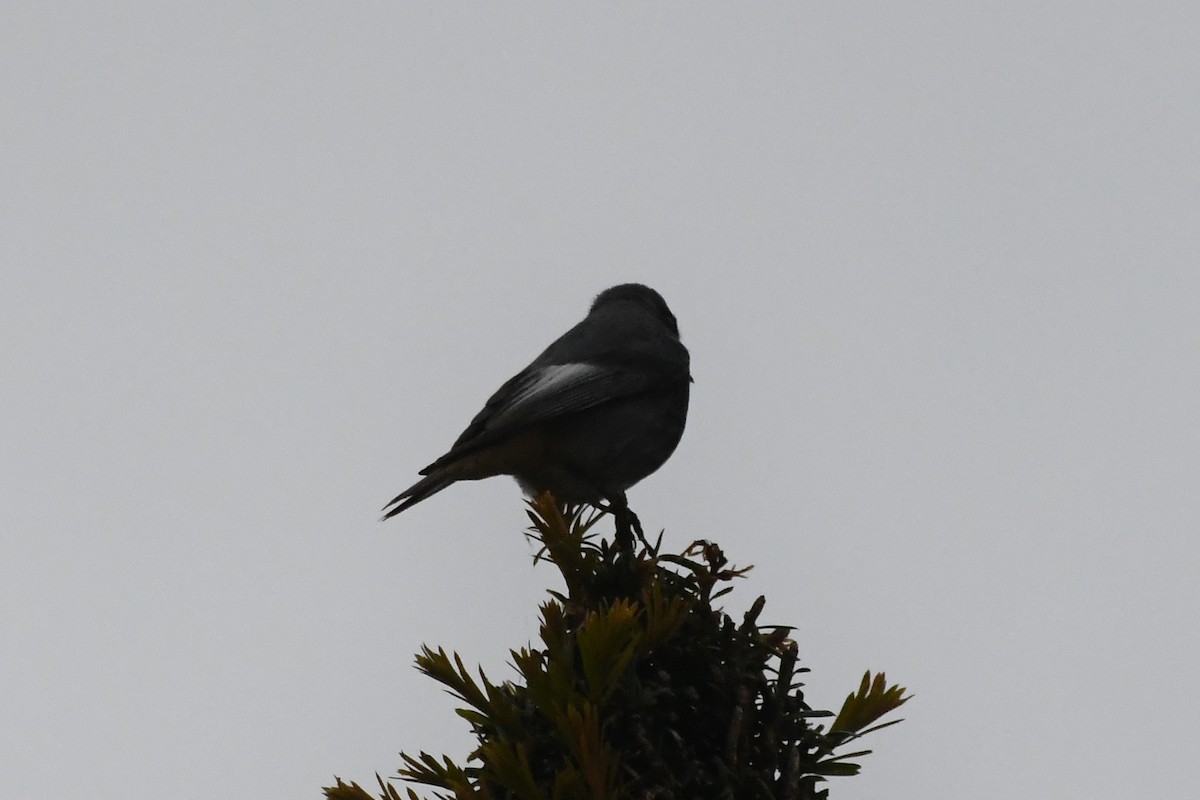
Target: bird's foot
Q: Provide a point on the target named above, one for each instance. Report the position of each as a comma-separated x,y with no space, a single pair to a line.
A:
628,525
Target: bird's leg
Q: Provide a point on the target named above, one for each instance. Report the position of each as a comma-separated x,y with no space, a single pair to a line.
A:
627,523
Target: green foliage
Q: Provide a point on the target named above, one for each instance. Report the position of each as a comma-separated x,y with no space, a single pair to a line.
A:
640,688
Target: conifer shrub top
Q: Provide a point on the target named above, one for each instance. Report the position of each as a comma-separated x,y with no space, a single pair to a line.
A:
641,688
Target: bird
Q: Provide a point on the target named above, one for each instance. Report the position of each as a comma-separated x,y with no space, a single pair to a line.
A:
600,409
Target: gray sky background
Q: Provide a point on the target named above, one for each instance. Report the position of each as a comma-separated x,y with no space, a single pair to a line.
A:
936,264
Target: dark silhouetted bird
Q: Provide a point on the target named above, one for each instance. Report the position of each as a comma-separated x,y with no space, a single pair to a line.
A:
603,407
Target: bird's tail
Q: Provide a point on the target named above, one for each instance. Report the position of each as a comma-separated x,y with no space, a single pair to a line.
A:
426,487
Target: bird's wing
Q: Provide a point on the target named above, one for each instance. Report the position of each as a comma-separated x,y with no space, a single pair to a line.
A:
544,392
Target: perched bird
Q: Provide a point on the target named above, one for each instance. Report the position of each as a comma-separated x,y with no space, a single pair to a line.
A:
600,409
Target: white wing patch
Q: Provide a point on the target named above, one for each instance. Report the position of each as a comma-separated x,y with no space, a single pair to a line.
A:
553,379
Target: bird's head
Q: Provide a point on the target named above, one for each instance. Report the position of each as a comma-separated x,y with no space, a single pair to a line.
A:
641,295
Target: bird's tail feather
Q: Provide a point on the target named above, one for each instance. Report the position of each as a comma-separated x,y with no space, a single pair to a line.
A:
426,487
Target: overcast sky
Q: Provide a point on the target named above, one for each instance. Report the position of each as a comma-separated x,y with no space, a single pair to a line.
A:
936,264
